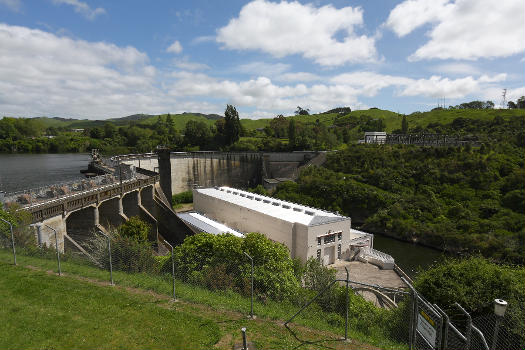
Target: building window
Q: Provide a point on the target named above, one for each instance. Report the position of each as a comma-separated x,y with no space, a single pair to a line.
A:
319,254
318,240
338,251
339,236
329,239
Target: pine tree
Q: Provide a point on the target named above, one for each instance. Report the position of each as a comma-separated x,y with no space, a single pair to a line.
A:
232,125
291,134
404,125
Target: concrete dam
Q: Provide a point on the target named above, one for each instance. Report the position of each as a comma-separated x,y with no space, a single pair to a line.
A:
182,171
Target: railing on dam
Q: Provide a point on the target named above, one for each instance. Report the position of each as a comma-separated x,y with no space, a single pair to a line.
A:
47,193
84,193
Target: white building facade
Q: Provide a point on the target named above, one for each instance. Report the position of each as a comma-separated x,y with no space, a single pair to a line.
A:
307,232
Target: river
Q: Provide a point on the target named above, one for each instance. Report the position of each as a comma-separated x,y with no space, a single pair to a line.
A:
24,171
409,256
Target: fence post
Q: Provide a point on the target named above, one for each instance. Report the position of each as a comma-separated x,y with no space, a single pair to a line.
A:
244,345
469,324
12,239
110,262
56,247
172,269
411,328
347,304
251,299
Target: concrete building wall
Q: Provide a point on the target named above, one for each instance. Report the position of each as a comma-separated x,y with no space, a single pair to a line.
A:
329,250
243,219
301,239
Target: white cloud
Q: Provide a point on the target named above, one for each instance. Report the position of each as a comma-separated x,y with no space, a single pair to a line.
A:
297,76
276,71
369,84
437,86
463,29
455,68
186,64
13,5
203,39
262,68
82,8
43,74
289,28
175,47
411,14
495,93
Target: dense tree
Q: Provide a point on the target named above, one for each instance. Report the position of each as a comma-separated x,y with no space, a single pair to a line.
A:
232,125
404,125
196,133
302,111
521,102
292,134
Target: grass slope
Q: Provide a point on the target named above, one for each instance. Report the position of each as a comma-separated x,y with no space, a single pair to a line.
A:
65,312
179,120
447,116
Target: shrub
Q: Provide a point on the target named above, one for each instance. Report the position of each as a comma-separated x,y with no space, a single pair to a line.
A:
474,283
183,197
217,261
135,229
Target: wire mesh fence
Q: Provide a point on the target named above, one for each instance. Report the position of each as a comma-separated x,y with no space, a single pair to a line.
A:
252,278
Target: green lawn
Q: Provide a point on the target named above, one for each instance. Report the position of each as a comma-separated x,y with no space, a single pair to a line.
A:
43,310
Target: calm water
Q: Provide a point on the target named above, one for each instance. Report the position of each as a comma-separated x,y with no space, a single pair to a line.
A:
408,256
24,171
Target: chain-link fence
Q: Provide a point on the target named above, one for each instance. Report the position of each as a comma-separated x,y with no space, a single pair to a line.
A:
253,277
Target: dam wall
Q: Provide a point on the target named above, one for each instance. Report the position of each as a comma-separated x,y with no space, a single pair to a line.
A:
187,170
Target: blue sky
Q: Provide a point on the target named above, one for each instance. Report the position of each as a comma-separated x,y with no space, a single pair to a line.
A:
103,59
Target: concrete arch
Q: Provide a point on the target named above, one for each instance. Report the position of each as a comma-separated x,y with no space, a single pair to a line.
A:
146,198
81,223
111,213
130,203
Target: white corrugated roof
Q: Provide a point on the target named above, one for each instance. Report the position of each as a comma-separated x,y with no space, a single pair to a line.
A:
207,225
277,208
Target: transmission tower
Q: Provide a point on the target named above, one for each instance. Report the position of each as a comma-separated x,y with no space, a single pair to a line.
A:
504,99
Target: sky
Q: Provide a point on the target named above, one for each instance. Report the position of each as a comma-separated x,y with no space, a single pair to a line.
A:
100,59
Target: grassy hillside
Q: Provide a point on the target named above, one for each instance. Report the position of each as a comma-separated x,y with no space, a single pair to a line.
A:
43,310
179,120
447,116
392,120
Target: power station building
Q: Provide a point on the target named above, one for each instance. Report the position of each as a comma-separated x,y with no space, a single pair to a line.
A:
307,232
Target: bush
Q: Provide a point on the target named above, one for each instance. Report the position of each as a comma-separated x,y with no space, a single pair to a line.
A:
135,229
127,253
183,197
217,261
474,283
